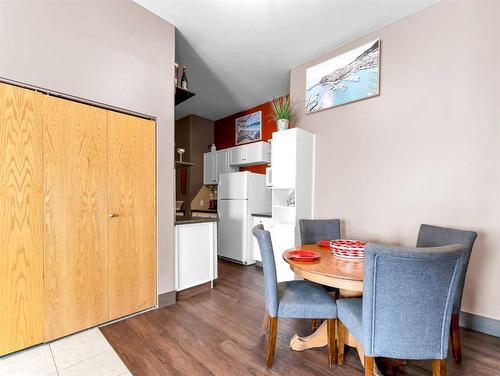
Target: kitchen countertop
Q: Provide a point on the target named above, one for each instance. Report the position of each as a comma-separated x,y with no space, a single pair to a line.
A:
266,214
192,220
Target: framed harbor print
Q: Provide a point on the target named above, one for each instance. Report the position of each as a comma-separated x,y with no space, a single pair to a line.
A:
349,77
248,128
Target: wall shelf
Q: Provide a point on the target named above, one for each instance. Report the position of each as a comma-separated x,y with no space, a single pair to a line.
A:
182,95
183,164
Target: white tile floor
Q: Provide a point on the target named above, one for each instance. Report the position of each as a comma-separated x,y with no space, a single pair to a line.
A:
83,354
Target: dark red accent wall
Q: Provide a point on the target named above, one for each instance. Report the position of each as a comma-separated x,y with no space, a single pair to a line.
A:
225,131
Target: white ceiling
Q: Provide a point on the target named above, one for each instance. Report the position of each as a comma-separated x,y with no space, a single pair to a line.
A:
239,52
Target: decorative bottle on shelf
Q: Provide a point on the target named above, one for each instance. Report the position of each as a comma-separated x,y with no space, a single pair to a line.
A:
184,80
176,74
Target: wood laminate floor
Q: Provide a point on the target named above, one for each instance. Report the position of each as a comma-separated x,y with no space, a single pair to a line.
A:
218,333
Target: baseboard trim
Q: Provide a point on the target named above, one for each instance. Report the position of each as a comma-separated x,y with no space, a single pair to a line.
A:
480,323
166,299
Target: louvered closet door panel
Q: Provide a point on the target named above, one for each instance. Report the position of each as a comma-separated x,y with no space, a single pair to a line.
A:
21,220
132,229
75,208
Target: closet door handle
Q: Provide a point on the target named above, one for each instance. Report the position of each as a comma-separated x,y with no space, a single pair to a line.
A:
112,215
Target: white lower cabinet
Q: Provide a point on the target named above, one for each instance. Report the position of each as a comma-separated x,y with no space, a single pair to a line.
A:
267,222
195,254
283,238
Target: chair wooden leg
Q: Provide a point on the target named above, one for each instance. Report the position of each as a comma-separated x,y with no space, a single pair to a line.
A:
265,323
369,366
331,324
341,342
455,338
271,341
439,367
314,324
336,294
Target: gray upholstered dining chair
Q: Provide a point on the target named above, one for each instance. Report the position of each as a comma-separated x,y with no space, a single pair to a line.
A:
292,299
312,230
435,236
395,319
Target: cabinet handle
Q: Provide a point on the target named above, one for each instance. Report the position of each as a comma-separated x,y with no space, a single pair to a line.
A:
112,215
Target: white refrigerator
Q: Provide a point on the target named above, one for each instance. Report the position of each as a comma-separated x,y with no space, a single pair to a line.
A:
239,195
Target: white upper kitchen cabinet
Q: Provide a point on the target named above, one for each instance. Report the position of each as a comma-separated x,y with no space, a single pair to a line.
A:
237,155
214,164
223,165
209,169
251,154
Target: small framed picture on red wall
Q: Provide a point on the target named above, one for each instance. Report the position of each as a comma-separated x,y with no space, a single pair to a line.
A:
248,128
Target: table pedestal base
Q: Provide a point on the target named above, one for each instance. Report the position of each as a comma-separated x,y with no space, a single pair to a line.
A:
320,337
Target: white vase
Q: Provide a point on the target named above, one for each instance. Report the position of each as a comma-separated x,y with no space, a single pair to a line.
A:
282,124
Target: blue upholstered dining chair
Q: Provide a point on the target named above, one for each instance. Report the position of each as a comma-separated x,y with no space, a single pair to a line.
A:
312,230
405,312
434,236
292,299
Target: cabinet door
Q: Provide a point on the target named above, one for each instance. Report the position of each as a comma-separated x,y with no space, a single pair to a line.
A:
195,254
254,152
222,163
21,220
209,169
76,236
284,159
238,155
283,238
250,154
267,223
132,208
226,161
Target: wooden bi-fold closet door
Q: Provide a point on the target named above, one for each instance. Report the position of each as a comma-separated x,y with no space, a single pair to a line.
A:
21,220
76,215
132,221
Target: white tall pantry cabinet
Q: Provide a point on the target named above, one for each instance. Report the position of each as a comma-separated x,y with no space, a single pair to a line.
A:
292,162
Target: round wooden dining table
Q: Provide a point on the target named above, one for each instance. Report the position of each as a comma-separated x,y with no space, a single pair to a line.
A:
329,270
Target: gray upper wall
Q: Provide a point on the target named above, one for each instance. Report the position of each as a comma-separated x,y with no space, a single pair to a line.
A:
427,150
113,52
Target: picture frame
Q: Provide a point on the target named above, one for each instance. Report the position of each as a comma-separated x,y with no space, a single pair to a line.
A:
248,128
346,78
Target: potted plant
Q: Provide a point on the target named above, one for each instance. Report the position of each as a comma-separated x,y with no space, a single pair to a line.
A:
282,112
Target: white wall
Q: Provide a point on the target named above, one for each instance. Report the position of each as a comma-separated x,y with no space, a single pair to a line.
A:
427,150
113,52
